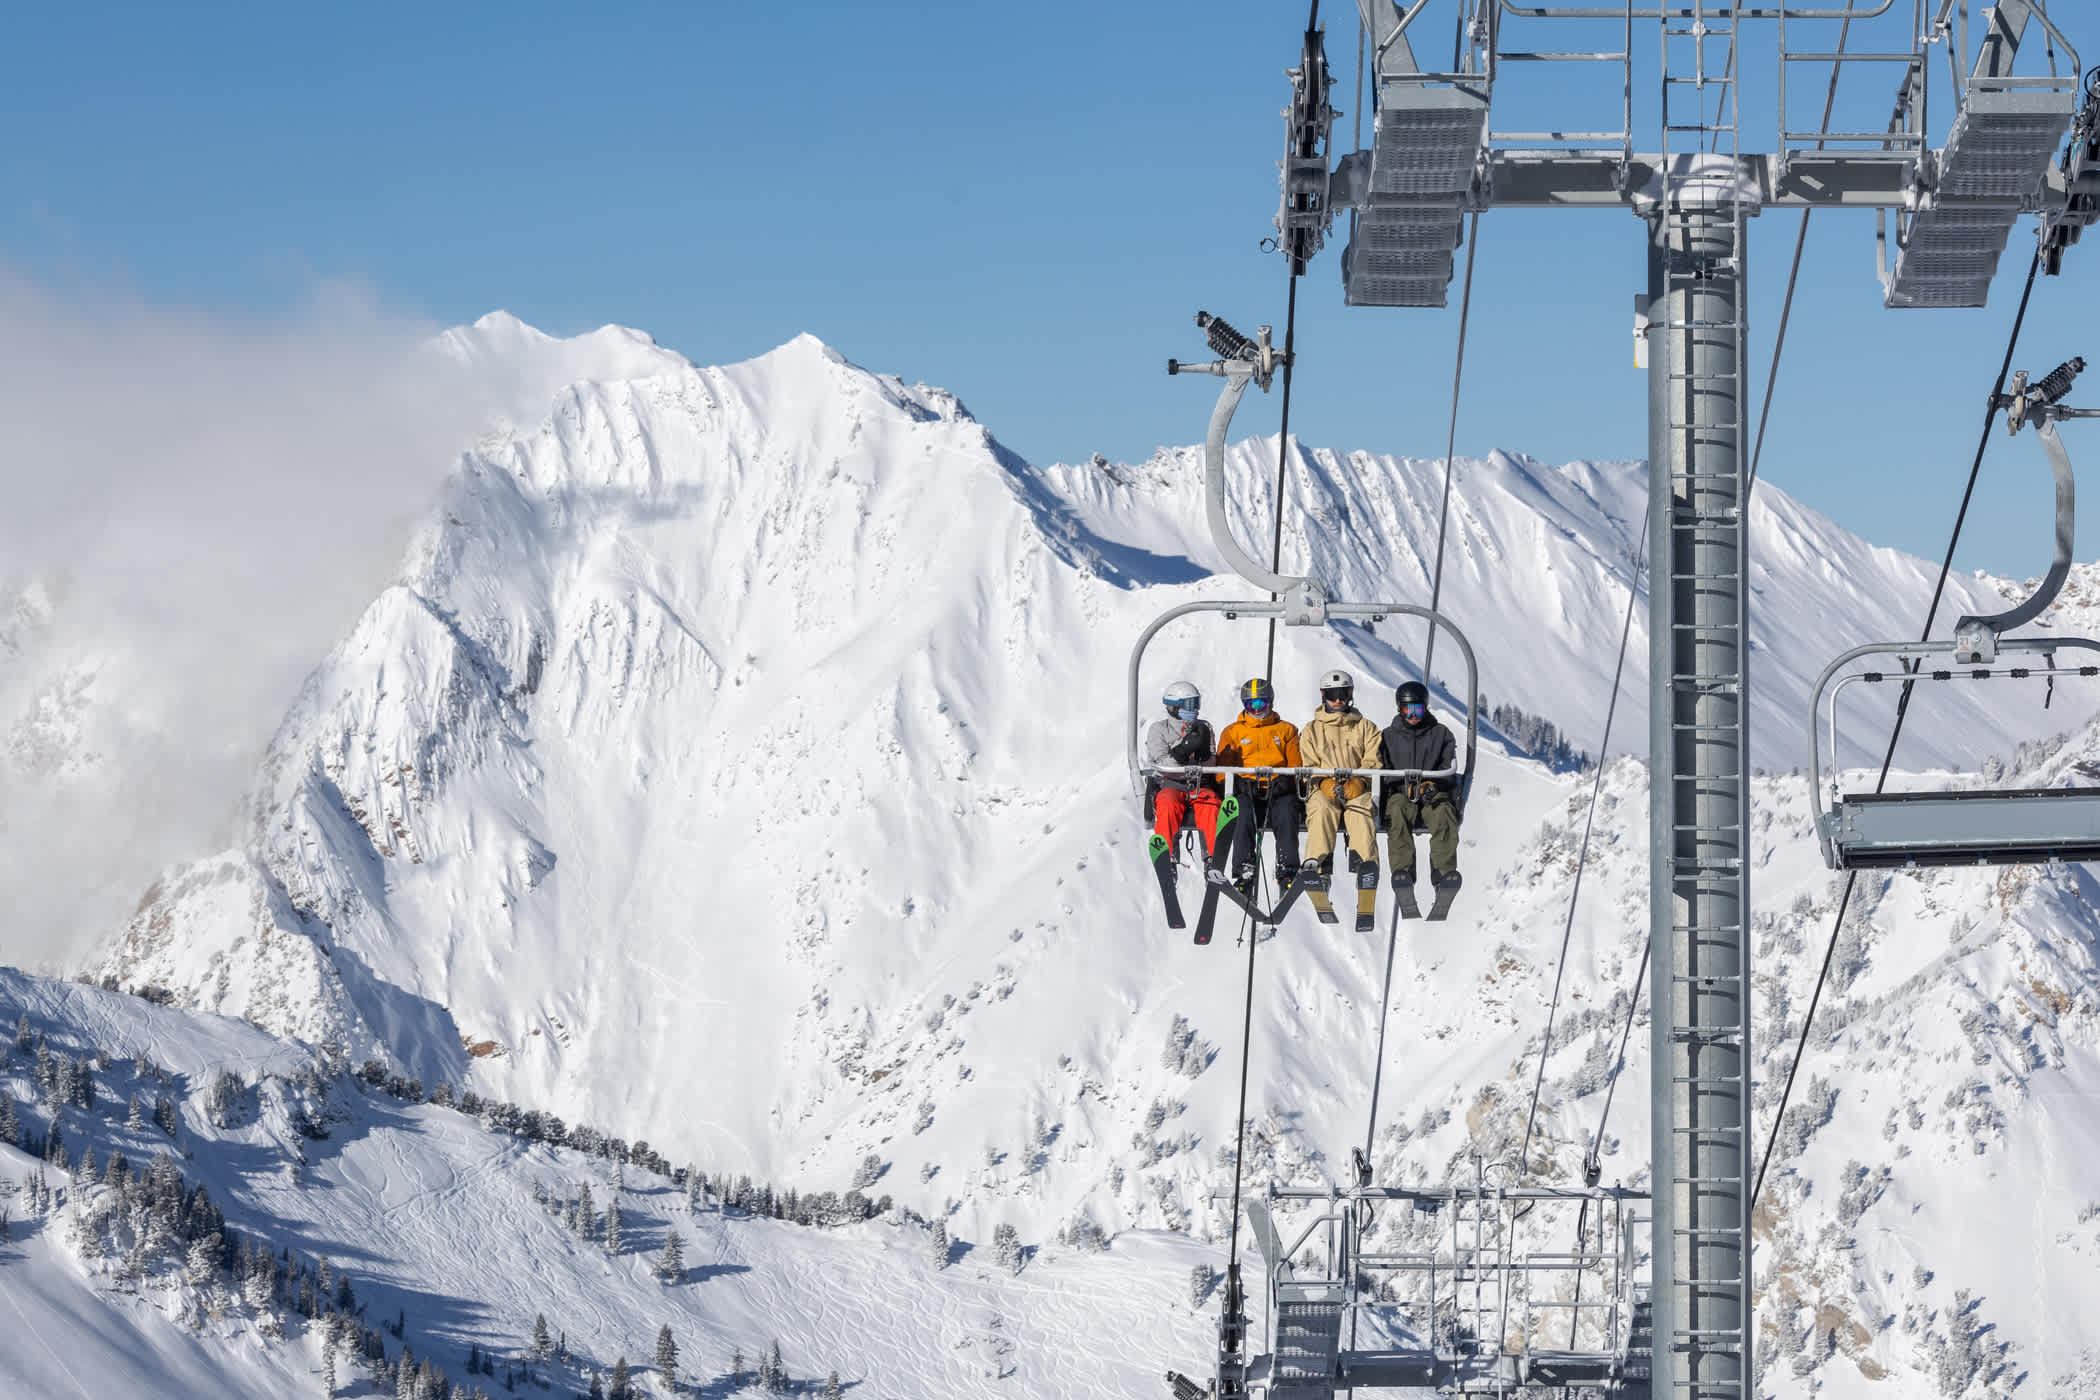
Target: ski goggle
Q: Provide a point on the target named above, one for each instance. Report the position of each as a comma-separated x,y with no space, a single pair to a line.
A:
1336,697
1258,703
1414,709
1186,709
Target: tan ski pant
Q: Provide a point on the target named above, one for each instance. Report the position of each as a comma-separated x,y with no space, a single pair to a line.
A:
1322,816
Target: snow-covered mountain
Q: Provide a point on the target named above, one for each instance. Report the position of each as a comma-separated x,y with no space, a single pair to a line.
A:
737,763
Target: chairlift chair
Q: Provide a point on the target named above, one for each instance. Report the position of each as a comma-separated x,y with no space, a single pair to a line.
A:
1998,826
1297,601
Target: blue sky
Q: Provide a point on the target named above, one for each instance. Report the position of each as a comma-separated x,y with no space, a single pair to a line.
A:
1021,203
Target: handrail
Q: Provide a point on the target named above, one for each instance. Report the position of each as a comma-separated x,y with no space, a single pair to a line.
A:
1267,609
2039,645
1729,12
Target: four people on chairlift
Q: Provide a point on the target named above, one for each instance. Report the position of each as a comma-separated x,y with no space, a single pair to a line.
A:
1340,736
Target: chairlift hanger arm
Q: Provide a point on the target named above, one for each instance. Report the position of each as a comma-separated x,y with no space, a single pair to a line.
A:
1305,599
1976,637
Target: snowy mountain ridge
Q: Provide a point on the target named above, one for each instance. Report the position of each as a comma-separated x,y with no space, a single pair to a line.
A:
737,763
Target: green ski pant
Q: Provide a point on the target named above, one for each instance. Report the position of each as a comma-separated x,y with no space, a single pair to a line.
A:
1441,817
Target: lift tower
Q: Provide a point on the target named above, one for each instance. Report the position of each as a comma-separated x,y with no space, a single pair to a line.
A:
1944,214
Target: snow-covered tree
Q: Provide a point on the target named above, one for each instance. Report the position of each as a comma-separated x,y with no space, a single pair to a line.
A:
1201,1280
832,1389
670,1265
666,1355
772,1374
542,1341
615,1237
736,1366
1006,1247
937,1246
869,1172
24,1038
10,1125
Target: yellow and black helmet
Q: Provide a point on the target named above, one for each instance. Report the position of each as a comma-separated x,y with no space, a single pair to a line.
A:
1257,696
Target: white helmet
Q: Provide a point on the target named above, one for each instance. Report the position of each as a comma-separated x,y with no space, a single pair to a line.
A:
1181,694
1337,680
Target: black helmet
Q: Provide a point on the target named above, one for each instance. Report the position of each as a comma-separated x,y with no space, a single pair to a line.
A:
1411,693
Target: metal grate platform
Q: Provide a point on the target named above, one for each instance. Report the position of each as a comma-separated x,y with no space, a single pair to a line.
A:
1427,146
1996,158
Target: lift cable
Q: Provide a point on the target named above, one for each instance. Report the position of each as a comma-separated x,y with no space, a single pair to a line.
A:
1296,269
1458,369
1902,708
1582,856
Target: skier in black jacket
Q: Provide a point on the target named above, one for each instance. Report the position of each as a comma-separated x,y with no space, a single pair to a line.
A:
1416,739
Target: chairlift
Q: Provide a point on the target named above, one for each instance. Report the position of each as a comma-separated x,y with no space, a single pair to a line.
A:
1997,826
1296,601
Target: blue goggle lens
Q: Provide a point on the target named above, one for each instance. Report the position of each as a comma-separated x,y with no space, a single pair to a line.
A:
1413,710
1258,704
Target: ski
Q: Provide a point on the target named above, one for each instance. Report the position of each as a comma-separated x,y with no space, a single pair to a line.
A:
1446,891
1367,898
1163,866
1316,890
1214,870
1297,887
1409,909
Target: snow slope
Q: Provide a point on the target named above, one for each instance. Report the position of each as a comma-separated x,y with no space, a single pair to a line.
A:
737,763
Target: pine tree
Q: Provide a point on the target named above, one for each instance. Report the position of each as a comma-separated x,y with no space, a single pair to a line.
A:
1006,1247
736,1366
137,1118
621,1387
666,1355
937,1244
832,1389
670,1265
542,1343
1200,1282
23,1038
597,1387
10,1125
615,1237
778,1383
87,1162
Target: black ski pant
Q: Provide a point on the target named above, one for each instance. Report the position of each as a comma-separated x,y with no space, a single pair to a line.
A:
1278,810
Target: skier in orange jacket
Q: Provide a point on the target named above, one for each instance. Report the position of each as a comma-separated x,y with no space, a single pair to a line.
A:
1260,738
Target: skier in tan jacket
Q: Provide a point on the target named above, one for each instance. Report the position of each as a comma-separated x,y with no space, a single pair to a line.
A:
1341,737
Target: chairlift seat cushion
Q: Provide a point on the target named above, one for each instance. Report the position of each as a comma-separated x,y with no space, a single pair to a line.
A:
1985,827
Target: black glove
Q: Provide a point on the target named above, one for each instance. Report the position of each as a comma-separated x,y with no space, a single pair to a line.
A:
1185,752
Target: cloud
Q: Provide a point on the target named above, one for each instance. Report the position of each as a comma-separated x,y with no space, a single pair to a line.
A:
192,509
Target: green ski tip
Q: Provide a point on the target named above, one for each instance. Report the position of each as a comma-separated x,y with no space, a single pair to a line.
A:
1158,845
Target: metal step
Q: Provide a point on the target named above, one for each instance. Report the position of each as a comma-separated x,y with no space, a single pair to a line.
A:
1996,156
